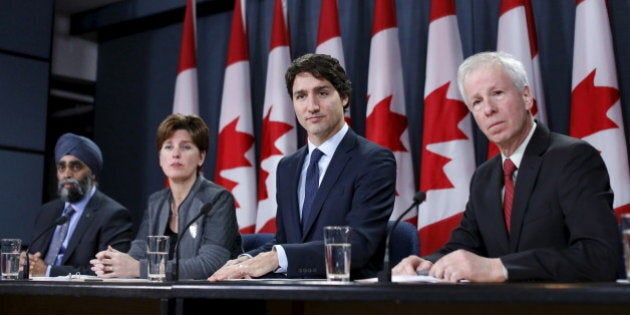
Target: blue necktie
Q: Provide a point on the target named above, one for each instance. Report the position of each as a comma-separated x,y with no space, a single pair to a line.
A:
56,245
311,185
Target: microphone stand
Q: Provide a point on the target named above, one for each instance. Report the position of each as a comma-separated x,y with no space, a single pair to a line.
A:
385,275
27,264
205,210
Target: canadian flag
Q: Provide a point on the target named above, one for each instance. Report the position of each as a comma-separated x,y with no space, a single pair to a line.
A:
186,100
236,161
386,122
517,36
448,154
329,36
595,101
279,135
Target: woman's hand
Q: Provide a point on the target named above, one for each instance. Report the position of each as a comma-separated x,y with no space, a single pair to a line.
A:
111,263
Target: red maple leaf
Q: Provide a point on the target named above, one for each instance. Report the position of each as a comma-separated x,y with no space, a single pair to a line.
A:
492,150
589,104
232,146
438,233
441,116
269,226
271,131
386,127
249,229
534,107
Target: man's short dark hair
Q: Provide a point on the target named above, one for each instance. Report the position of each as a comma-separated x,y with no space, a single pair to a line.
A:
322,67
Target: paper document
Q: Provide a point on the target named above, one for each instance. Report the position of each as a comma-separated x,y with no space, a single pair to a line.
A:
87,278
406,279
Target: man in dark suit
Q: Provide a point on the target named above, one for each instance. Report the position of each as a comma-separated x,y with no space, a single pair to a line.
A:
356,184
95,220
560,225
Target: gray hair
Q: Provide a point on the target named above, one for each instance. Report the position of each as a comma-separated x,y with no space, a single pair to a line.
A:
512,66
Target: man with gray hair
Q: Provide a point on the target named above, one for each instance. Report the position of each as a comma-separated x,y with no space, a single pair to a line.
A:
539,211
95,220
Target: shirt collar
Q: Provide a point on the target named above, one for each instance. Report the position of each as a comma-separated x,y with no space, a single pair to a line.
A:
329,146
517,156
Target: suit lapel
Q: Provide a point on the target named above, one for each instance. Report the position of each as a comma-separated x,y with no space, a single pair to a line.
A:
162,212
338,162
292,217
495,211
525,180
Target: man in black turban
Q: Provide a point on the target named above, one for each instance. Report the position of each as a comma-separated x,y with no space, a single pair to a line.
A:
95,220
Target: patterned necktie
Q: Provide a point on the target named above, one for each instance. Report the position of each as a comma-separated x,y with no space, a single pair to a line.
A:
311,185
56,245
508,197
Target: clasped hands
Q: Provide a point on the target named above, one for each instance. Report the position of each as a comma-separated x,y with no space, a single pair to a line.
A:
454,267
245,267
111,263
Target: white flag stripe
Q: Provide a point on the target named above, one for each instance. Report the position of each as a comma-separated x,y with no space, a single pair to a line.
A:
385,80
186,100
276,94
238,144
616,158
267,207
385,73
593,51
539,92
445,203
236,104
444,54
593,45
279,107
333,47
236,99
513,38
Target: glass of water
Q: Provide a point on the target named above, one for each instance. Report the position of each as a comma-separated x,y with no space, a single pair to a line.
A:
337,248
10,259
157,255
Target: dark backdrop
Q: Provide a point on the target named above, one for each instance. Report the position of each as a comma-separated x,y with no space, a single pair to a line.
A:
25,40
139,47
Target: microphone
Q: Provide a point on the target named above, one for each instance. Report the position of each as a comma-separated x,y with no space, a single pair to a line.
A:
204,210
385,276
59,221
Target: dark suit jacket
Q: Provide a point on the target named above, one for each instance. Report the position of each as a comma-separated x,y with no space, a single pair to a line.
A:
563,226
104,222
357,190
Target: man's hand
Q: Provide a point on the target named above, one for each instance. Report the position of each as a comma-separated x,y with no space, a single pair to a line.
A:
245,268
37,267
463,265
411,266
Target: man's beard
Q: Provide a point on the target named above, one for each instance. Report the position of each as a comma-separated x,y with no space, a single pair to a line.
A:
76,192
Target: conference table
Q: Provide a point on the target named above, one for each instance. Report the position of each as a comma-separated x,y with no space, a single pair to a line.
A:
276,296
